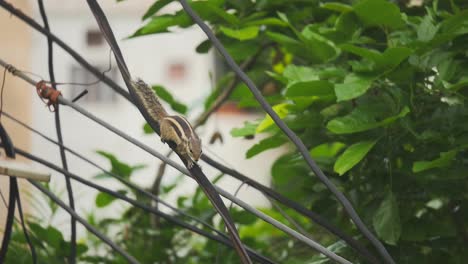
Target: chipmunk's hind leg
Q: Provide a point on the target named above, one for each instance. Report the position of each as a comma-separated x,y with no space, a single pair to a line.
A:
168,133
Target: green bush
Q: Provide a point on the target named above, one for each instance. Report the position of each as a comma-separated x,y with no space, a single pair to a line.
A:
375,89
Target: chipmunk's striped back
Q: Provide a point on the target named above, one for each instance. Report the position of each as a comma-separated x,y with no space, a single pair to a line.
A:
149,100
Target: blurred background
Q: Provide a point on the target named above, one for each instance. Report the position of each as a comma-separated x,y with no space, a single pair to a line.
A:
166,59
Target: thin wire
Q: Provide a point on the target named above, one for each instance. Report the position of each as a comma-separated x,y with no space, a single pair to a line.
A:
1,93
98,80
58,129
25,230
169,161
90,228
114,86
119,178
22,16
289,133
222,239
184,170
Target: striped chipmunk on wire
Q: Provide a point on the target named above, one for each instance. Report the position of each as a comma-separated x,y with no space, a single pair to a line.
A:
173,128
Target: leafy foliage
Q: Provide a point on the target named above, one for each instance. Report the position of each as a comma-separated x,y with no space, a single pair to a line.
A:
376,89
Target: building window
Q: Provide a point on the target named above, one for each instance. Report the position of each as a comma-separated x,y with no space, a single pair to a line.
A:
97,92
94,38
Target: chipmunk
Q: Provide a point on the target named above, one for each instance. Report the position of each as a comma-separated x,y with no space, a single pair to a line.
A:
173,128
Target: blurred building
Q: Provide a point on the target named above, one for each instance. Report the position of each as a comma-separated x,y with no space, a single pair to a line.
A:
165,59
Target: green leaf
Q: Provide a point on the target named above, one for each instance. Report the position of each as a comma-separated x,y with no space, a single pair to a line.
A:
388,60
147,129
386,220
154,8
269,21
300,73
289,43
379,13
317,46
241,50
317,89
122,169
203,47
352,156
328,150
359,120
354,86
104,199
335,6
444,160
265,144
161,24
242,33
247,130
426,30
280,109
165,95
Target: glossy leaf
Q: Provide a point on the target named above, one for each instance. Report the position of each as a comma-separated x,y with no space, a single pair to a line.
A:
379,13
263,145
166,96
281,110
352,156
353,87
443,161
358,121
242,33
386,220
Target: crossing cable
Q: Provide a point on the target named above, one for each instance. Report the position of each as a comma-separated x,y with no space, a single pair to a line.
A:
222,239
14,197
58,128
193,169
289,133
62,100
31,22
114,175
268,191
90,228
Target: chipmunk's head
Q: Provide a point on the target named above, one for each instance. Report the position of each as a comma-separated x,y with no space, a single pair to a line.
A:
195,148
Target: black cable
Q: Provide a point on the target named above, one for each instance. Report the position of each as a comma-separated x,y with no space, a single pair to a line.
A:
120,91
277,224
222,239
117,177
289,133
295,206
90,228
155,153
10,152
58,128
28,20
25,230
195,170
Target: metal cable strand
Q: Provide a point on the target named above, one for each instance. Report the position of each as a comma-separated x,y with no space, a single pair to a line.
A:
58,128
289,133
222,239
10,152
90,228
117,177
19,14
151,151
25,230
195,171
296,206
126,95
